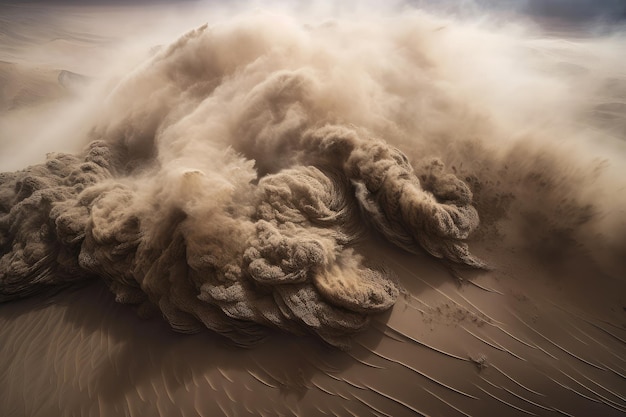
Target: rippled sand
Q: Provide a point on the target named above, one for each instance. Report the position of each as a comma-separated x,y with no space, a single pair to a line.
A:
531,339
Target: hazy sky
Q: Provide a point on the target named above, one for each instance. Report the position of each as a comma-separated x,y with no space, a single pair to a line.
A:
570,9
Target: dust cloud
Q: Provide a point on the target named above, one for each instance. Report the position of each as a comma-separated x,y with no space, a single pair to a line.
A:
227,177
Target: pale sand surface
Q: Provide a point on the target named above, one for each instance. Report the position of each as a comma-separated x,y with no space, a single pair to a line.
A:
529,337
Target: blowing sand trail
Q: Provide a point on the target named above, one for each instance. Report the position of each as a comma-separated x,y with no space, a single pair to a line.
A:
395,214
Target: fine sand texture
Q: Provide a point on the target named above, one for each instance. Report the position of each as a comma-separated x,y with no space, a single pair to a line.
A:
536,340
284,211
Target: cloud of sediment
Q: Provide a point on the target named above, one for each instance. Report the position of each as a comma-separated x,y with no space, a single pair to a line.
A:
228,178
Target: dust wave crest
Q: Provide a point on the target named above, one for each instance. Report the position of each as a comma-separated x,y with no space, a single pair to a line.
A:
225,186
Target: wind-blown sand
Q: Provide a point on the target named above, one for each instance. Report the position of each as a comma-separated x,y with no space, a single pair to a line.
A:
315,184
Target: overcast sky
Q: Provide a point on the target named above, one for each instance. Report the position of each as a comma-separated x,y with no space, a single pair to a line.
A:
568,9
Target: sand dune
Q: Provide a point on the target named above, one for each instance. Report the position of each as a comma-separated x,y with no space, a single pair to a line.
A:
533,341
315,183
